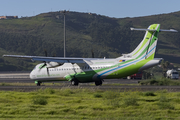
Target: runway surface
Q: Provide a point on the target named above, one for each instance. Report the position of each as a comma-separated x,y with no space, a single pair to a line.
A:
108,84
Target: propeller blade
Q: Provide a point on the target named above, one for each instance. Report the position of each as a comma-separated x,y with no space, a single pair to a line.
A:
43,65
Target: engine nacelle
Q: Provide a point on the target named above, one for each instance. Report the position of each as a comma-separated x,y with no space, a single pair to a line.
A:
53,64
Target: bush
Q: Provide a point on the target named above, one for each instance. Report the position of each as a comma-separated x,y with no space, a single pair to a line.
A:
112,98
153,82
97,95
163,99
165,105
131,101
159,82
113,102
150,93
49,90
111,95
40,100
5,84
66,92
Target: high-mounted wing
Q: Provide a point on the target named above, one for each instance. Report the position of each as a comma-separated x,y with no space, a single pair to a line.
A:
52,59
48,59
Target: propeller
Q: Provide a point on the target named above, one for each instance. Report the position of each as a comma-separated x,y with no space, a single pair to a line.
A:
49,64
44,61
45,64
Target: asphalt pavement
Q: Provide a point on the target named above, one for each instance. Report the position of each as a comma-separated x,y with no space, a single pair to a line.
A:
108,84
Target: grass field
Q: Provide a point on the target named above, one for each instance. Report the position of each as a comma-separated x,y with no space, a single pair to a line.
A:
89,104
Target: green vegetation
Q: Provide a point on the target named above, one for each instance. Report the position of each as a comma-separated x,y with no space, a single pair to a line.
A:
159,72
149,93
107,37
39,100
163,81
80,103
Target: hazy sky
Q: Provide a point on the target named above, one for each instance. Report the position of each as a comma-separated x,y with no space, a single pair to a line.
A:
111,8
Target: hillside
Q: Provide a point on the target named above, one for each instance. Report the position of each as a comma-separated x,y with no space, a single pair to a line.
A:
105,36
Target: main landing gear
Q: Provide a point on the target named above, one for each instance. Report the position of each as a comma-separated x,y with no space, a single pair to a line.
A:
38,83
98,82
74,82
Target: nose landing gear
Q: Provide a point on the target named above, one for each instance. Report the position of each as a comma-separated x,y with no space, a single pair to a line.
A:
38,83
74,82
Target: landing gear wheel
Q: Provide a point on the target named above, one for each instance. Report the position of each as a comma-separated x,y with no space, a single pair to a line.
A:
39,83
74,82
98,82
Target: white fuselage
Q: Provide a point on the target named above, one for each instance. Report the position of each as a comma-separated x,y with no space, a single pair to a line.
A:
59,73
93,69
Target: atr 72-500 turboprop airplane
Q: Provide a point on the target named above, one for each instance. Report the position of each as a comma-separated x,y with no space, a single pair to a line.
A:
82,70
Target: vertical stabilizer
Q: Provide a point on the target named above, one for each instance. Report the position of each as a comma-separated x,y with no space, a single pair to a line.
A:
146,49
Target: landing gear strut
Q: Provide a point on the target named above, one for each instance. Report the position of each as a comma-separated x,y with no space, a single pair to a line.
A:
74,82
38,83
98,82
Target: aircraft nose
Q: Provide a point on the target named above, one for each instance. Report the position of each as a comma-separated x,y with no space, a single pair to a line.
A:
32,75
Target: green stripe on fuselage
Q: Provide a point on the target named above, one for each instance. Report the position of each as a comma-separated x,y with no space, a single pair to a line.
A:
87,76
127,70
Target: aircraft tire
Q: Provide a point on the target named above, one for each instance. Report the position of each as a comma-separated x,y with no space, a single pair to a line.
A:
39,84
74,82
98,83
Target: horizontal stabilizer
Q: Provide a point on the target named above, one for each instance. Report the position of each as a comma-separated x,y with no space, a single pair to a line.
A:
139,29
171,30
161,30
